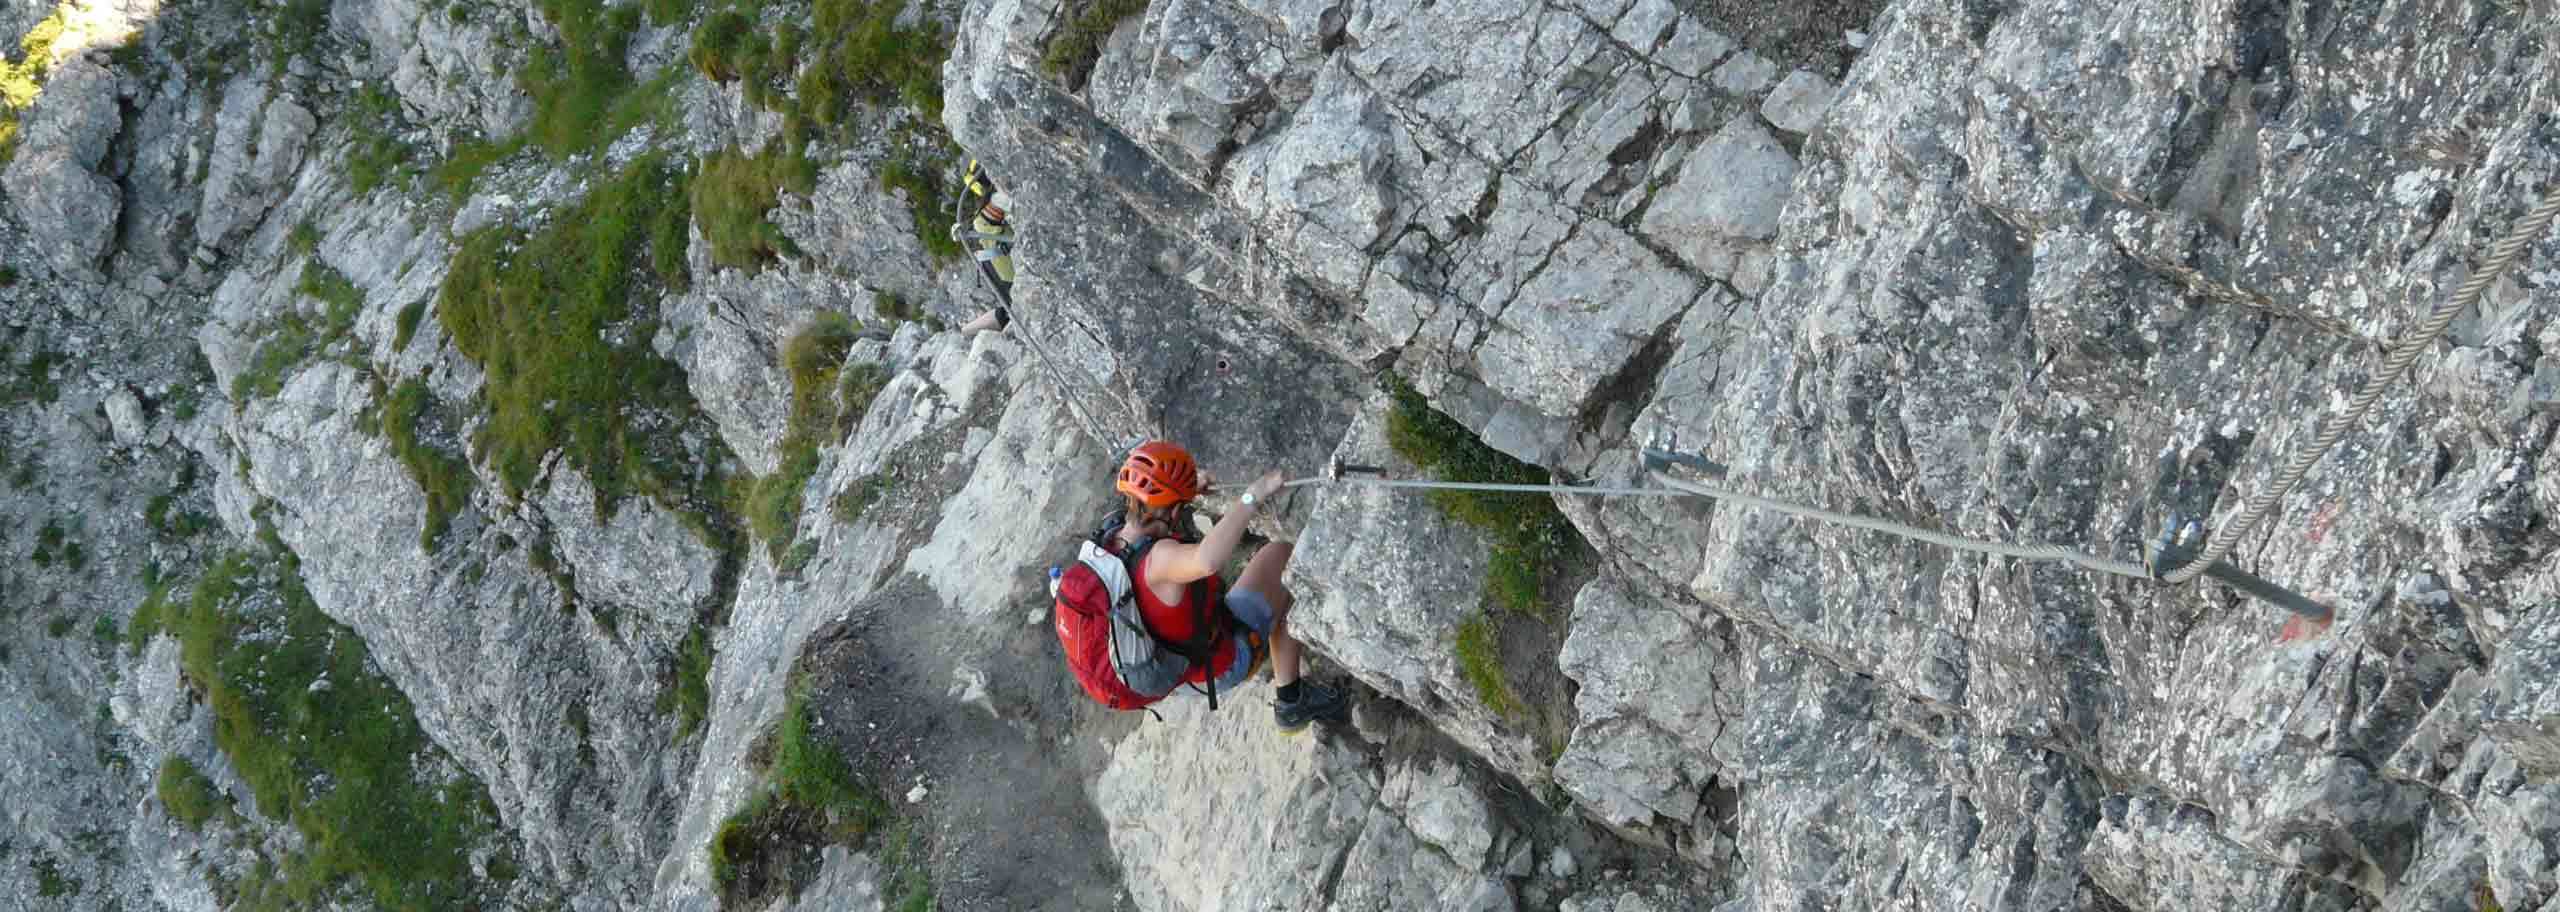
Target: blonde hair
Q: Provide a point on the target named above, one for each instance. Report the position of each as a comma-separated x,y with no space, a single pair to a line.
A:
1137,514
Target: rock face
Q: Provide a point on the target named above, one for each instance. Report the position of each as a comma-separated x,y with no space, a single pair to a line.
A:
2036,271
53,179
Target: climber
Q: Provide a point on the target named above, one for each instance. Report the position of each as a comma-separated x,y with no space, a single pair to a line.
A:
1173,573
992,235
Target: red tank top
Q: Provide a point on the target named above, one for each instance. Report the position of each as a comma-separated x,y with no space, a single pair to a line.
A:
1175,621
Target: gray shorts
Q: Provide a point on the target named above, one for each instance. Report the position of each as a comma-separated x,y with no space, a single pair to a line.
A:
1255,611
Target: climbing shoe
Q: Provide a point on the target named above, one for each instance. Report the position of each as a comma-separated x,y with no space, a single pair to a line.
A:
1315,703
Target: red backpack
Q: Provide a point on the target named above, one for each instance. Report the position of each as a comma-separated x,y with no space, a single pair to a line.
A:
1109,647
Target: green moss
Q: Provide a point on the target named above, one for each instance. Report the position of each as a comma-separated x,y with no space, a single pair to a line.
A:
58,628
1073,51
8,276
190,797
1479,653
104,631
734,194
444,477
304,238
550,315
342,762
1531,538
690,697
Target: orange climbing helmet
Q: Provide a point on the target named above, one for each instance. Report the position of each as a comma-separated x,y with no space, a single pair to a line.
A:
1159,473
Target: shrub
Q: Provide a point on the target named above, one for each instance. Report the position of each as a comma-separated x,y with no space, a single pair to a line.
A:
188,795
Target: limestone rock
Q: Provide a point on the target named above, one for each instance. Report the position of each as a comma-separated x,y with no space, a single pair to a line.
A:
53,181
1799,101
1726,198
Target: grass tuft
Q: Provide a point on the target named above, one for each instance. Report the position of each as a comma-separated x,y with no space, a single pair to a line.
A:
379,156
812,798
1531,538
690,698
444,477
405,325
1078,46
814,360
579,87
919,180
326,744
734,194
1479,653
549,314
294,338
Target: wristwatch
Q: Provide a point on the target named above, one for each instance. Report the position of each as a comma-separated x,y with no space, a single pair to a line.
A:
1248,499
